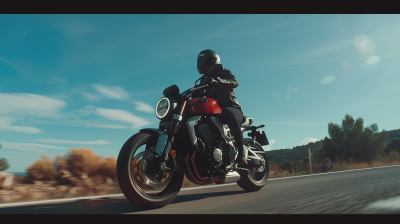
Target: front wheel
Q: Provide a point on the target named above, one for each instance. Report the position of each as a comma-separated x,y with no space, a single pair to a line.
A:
254,180
139,176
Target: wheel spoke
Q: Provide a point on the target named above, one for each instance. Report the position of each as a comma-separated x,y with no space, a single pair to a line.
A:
145,174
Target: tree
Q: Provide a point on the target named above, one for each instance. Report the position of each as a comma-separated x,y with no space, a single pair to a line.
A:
286,164
351,140
394,145
3,164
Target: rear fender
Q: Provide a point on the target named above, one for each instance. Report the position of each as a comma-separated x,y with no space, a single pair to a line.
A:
162,138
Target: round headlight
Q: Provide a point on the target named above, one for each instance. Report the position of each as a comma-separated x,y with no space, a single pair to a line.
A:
162,108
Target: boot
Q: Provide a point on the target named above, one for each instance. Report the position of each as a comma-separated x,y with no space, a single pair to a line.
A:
242,156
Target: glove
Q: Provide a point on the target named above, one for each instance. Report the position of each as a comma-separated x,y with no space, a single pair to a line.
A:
211,82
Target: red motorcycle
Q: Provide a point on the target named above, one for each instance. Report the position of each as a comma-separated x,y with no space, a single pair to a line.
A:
191,140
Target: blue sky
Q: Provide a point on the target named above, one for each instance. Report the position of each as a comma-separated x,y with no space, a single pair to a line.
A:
92,81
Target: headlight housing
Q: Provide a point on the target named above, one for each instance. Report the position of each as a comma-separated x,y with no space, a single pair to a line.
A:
165,108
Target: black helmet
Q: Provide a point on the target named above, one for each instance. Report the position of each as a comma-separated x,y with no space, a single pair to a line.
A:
206,60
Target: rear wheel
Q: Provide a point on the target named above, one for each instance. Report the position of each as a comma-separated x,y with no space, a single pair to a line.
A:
139,176
254,180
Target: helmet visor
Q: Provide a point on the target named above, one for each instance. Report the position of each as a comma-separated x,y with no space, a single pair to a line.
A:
201,60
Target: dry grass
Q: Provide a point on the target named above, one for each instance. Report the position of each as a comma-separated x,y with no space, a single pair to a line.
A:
391,159
343,165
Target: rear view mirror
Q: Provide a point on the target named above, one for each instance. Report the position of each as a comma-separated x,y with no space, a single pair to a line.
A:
215,69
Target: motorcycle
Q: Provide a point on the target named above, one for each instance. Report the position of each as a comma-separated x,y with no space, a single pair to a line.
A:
192,141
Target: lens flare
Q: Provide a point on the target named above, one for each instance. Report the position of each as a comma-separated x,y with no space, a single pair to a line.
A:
295,90
372,60
327,79
347,65
364,43
360,39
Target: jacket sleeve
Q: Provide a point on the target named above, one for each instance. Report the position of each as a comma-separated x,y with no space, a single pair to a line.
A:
227,80
199,93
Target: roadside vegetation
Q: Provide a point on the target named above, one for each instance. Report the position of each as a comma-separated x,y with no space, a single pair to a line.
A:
349,146
80,172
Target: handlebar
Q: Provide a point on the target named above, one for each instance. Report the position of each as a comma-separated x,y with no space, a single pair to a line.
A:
197,88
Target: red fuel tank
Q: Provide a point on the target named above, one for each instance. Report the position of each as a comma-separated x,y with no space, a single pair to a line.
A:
209,107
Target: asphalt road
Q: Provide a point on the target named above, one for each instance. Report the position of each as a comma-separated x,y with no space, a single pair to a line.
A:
366,191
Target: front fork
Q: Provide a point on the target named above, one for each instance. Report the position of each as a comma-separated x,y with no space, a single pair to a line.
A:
174,128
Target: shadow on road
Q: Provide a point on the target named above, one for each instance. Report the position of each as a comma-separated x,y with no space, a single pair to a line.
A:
101,205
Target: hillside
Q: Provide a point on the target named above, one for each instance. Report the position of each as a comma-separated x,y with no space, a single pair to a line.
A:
295,154
392,134
299,152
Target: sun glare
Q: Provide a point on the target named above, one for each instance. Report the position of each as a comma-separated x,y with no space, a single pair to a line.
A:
372,60
327,79
364,43
347,65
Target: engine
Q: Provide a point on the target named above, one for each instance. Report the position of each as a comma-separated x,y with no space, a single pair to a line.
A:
214,155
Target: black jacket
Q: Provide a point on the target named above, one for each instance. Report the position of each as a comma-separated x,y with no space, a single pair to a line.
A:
224,92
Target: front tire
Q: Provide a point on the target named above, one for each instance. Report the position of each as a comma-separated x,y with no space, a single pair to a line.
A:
251,180
133,188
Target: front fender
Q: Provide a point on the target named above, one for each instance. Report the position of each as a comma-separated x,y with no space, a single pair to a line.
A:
162,138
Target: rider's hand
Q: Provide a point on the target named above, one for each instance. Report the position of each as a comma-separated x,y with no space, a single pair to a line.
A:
211,82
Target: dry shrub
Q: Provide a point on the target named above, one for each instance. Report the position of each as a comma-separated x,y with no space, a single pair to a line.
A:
107,168
275,171
83,161
61,162
316,167
42,169
393,156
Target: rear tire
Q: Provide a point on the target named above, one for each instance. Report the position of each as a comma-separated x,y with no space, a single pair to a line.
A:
131,188
254,181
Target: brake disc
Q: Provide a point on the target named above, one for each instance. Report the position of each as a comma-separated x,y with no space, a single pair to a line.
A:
151,177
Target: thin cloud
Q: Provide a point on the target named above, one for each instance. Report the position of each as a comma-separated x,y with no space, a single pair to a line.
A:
91,96
122,115
295,123
144,107
59,87
28,146
17,106
329,48
86,111
59,141
112,126
308,140
5,125
25,103
114,92
288,34
75,31
268,147
20,70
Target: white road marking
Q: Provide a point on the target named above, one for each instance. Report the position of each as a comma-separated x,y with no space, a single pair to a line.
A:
388,204
55,200
183,189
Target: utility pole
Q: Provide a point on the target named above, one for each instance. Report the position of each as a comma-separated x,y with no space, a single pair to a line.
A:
309,158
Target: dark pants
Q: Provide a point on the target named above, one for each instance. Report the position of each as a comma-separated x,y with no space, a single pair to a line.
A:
233,118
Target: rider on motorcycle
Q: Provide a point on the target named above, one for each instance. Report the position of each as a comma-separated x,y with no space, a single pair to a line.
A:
224,93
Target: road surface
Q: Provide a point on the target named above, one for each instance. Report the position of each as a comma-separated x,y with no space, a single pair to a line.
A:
364,191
